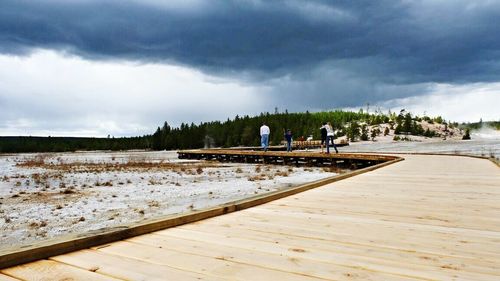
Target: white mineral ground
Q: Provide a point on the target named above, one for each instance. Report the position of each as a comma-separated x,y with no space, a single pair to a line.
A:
62,193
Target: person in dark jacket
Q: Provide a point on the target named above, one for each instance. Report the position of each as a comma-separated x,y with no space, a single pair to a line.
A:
323,136
288,138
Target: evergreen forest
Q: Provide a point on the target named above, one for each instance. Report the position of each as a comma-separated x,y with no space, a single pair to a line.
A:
240,131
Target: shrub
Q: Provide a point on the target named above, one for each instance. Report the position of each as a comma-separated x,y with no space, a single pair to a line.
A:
386,131
467,135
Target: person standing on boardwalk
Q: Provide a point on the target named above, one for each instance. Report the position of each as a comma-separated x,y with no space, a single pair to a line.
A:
323,136
264,136
288,138
329,137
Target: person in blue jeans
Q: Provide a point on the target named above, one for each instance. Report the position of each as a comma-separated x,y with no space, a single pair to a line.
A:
264,136
329,138
288,138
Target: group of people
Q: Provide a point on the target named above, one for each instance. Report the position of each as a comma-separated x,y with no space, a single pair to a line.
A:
327,135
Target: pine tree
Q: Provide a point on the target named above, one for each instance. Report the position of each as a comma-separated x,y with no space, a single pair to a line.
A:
364,132
373,134
407,124
353,131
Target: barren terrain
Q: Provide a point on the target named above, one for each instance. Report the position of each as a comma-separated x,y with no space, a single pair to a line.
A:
48,195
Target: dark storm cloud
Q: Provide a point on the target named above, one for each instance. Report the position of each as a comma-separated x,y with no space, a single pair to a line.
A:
395,42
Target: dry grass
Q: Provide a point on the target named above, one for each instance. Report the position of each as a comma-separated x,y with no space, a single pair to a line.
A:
108,183
332,169
38,224
87,167
259,177
153,203
68,191
38,160
281,174
153,181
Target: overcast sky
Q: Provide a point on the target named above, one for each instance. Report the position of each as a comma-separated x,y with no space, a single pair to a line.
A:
123,67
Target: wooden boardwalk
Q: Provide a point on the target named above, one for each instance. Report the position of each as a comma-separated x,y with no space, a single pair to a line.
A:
339,160
425,218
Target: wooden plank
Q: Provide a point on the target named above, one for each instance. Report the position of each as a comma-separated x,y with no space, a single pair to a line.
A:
423,186
222,234
125,268
218,267
287,261
335,194
356,234
360,222
425,216
406,237
407,203
51,270
365,260
346,224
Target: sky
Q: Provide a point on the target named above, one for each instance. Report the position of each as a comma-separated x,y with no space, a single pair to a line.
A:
123,67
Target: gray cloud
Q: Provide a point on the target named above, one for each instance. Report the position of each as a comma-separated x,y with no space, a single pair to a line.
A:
334,85
398,41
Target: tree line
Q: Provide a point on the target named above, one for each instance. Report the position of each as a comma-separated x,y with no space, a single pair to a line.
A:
63,144
240,131
244,130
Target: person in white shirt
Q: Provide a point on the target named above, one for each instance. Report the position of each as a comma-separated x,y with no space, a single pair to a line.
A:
264,136
329,137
